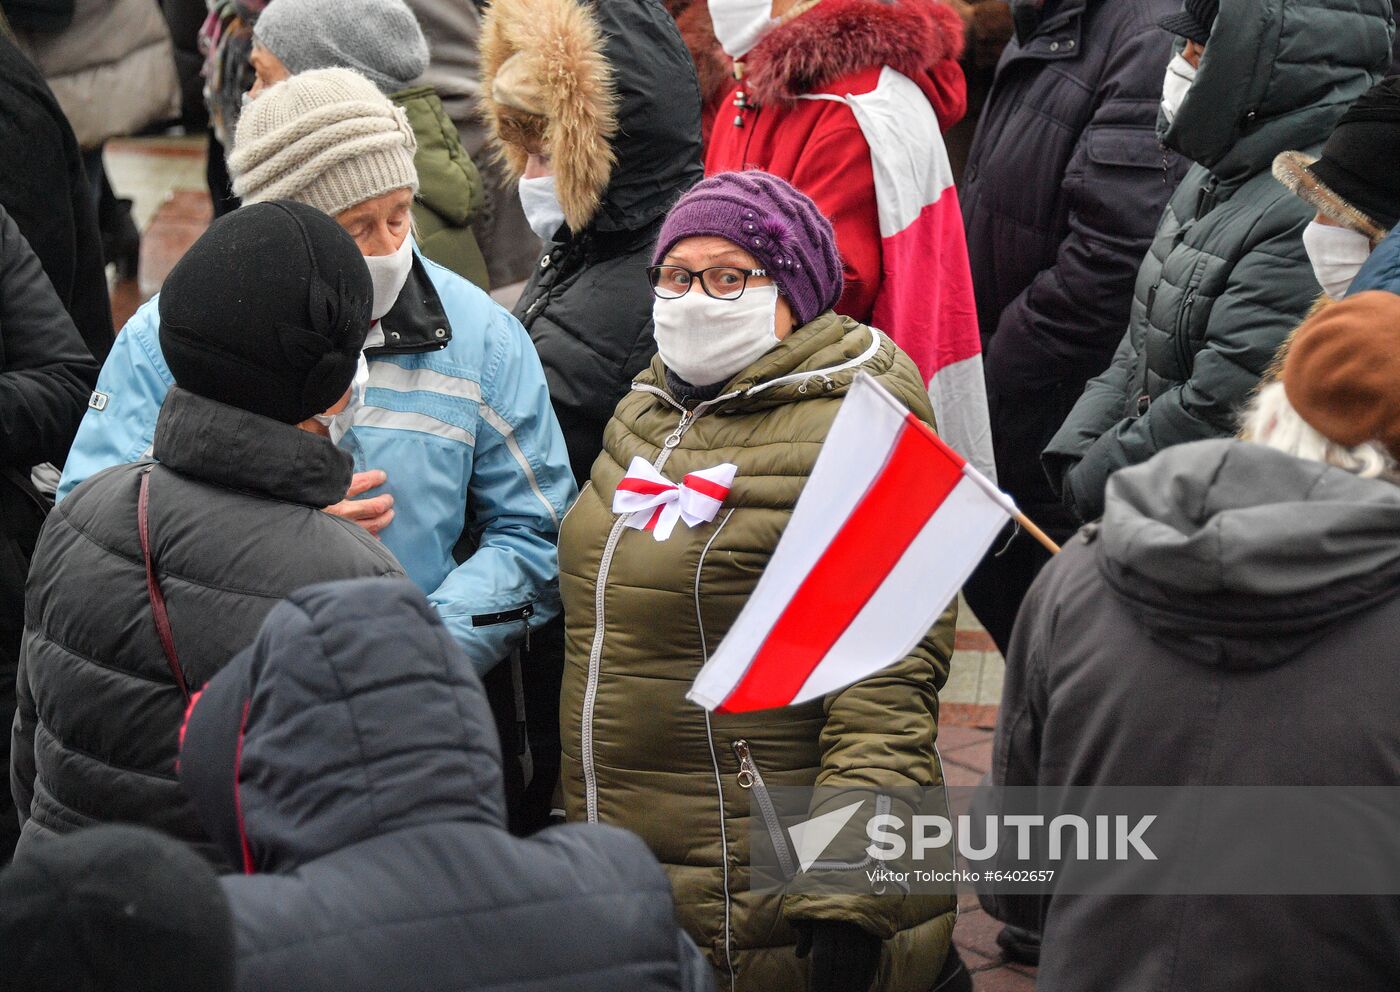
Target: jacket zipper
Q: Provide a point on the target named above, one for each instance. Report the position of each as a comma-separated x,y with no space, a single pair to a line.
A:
595,656
714,764
751,780
1183,333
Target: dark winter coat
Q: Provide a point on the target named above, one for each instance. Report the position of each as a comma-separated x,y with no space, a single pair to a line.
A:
1064,186
45,191
1230,622
588,305
235,524
1226,277
45,377
348,763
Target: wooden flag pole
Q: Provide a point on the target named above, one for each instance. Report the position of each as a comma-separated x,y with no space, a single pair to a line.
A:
1037,533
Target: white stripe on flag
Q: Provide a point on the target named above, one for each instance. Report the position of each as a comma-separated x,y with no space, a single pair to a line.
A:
916,591
864,432
958,393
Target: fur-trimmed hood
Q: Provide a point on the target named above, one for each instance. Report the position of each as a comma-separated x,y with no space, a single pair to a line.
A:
621,104
921,39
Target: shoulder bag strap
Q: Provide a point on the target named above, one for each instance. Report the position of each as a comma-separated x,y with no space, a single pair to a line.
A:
158,611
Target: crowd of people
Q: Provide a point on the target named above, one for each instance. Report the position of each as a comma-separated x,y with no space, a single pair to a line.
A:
327,660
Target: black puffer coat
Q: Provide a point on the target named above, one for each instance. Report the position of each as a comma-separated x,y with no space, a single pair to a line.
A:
588,305
235,525
347,761
45,377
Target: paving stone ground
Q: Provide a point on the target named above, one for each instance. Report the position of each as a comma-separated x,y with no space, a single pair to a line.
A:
164,177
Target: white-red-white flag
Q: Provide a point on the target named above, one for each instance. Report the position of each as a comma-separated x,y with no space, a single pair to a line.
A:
925,301
889,527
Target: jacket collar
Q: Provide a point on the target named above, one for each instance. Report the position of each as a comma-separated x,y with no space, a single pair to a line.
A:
417,321
819,358
840,37
217,443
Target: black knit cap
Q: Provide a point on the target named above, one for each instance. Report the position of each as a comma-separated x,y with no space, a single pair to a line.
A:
268,311
1194,21
114,907
1358,160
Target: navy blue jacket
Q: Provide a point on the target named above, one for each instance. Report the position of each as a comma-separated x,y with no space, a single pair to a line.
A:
1064,186
348,762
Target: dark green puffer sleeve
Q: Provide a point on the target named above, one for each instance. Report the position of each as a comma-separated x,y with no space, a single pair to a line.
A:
1268,291
450,190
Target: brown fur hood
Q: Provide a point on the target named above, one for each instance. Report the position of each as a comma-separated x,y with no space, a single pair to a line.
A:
621,107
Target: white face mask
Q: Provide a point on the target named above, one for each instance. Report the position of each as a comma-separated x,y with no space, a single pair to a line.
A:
1180,75
339,423
705,341
1337,254
740,24
389,273
541,204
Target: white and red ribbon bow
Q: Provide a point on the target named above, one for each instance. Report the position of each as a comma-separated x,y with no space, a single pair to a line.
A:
655,503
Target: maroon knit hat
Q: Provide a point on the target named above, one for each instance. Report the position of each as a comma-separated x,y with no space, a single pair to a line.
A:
774,223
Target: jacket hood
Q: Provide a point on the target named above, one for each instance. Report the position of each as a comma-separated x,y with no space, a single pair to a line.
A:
920,39
1240,555
352,715
622,105
1276,75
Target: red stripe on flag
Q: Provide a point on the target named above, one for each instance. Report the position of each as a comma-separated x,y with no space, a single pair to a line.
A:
915,480
705,487
643,487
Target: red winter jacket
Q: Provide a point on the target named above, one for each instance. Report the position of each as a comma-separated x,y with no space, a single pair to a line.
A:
838,47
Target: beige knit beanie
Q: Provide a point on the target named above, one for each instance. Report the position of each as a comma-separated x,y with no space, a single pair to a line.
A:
327,138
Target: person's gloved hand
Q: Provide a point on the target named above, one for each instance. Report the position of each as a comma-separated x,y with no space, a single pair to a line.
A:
844,957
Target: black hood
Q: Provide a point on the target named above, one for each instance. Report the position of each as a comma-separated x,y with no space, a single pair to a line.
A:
657,145
352,715
1235,554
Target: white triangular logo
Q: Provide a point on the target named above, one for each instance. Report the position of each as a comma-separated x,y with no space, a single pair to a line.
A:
811,838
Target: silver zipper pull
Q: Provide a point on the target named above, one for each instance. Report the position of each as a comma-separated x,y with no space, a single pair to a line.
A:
674,438
747,772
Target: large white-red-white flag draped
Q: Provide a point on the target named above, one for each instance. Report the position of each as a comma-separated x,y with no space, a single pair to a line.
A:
889,527
925,301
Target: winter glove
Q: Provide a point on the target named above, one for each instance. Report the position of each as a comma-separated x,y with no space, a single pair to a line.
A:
844,957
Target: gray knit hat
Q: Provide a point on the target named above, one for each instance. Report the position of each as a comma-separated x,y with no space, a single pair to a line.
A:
326,138
380,39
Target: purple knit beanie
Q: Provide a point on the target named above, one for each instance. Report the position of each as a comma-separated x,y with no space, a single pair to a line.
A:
775,224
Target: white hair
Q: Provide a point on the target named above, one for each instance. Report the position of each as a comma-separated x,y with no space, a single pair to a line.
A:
1272,421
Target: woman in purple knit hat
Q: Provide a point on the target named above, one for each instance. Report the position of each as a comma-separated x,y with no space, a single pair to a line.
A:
752,367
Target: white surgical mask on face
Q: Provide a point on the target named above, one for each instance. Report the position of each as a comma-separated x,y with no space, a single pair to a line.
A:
1337,254
705,341
740,24
541,205
389,273
1180,75
339,423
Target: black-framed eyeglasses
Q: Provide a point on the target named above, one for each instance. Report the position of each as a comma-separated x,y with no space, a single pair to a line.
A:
720,282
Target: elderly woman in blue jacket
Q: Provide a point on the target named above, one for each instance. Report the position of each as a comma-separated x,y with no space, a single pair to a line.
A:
460,465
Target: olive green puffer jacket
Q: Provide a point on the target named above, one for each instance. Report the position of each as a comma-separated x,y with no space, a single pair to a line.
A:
1226,278
449,187
642,615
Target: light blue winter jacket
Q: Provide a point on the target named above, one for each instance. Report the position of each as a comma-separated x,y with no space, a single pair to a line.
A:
456,413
